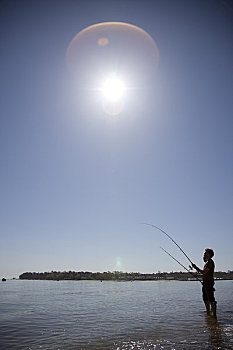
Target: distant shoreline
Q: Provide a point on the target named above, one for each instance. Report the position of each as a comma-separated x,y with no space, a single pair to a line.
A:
117,276
116,280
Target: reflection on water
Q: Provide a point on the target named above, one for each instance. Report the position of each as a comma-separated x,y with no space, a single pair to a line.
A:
219,337
215,332
220,334
90,315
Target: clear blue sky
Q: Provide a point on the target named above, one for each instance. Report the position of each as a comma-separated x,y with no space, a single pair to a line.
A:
75,182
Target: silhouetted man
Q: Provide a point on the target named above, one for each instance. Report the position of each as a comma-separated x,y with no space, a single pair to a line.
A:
208,282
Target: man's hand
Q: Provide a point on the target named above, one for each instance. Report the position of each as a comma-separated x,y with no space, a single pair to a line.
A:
195,266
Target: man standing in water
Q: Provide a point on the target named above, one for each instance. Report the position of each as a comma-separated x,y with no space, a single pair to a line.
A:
208,282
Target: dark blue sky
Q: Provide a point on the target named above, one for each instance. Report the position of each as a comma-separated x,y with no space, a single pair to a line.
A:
75,182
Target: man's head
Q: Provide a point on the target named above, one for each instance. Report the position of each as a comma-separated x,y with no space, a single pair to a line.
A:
209,253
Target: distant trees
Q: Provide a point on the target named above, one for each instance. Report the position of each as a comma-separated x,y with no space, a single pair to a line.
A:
72,275
224,275
114,276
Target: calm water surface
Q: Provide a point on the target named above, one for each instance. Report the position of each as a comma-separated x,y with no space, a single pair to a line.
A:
75,315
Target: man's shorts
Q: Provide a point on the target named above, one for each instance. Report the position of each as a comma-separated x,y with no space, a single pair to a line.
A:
208,292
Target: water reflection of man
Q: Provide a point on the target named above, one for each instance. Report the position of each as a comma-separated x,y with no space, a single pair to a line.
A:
216,333
208,282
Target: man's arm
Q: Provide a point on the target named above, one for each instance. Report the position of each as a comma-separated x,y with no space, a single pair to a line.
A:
203,272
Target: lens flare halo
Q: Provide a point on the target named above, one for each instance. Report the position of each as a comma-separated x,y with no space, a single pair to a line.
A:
103,48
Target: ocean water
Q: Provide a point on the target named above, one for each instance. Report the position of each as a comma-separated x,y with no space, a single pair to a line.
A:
75,315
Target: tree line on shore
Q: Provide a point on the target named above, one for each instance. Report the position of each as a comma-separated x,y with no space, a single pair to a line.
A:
115,276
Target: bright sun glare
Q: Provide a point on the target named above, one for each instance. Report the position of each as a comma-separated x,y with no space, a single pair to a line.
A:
113,89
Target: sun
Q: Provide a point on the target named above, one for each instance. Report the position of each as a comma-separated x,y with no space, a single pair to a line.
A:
113,89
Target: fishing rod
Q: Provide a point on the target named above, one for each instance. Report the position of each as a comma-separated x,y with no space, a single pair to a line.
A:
181,264
158,228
